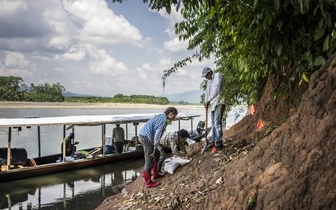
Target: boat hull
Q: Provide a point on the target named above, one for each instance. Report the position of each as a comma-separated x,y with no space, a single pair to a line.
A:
50,168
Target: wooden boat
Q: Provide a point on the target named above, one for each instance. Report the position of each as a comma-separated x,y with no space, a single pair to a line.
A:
48,164
100,181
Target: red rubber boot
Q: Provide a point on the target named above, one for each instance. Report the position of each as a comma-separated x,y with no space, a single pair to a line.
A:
148,181
155,171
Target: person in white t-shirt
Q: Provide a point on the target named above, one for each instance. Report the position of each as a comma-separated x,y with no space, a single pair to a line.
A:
215,102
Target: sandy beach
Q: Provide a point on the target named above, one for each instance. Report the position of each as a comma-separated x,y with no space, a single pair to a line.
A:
65,105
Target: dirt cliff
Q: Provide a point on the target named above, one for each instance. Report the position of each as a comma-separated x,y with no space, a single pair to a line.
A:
287,164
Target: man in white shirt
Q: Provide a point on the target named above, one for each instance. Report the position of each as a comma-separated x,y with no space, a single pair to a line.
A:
215,102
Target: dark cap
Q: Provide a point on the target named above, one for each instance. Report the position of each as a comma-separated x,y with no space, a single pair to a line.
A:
71,135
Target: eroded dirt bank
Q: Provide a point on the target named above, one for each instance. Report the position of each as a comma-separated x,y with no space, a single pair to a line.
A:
289,165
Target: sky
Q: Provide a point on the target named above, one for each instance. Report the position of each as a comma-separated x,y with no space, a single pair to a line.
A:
95,47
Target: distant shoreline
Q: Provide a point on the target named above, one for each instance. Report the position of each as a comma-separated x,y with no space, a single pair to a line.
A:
66,105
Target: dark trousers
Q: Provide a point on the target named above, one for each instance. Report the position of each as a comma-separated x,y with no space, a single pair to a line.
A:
160,155
148,150
118,146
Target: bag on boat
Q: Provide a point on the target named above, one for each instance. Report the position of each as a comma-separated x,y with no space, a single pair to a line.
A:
172,163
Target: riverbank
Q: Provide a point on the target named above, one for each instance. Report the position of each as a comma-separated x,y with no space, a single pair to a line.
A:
66,105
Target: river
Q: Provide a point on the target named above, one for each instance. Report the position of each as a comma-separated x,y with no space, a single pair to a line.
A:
80,189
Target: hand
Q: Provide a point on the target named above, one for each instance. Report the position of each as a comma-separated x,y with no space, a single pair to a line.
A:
76,142
160,148
153,154
206,104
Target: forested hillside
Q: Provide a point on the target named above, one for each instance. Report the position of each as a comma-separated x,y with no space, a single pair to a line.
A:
14,89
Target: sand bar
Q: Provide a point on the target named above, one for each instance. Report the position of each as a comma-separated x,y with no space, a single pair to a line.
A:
66,105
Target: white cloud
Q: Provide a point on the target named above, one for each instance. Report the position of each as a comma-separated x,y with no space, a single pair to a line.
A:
11,7
106,65
173,45
165,61
28,25
100,25
15,64
59,43
82,11
172,18
75,53
16,60
94,47
110,30
176,45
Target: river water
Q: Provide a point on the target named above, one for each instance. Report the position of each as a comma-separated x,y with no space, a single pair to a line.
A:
80,189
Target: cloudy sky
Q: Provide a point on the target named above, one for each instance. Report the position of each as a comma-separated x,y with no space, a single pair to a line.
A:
94,47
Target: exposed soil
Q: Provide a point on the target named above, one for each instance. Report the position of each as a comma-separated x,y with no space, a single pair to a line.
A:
287,164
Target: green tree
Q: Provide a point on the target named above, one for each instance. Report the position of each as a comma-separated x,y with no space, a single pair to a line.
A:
46,92
10,88
254,40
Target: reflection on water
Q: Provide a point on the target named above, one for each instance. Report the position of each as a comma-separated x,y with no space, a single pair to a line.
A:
79,189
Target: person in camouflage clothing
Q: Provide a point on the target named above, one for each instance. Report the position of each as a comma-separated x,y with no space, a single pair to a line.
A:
176,142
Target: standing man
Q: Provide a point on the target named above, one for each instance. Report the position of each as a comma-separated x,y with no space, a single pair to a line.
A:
150,136
118,136
215,101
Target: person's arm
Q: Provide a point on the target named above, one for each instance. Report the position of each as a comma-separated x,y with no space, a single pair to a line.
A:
159,132
122,134
183,149
217,84
68,142
173,144
207,92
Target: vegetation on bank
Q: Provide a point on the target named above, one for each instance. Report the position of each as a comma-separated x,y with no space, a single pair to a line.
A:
120,98
254,40
14,89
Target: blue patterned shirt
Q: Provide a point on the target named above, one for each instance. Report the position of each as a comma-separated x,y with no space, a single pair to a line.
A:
154,128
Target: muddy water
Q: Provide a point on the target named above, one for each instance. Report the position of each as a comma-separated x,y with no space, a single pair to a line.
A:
80,189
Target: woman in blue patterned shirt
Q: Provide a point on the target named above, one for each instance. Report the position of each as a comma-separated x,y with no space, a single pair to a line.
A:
150,136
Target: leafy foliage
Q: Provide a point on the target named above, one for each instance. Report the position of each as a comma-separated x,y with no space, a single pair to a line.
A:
13,89
46,92
255,39
120,98
10,88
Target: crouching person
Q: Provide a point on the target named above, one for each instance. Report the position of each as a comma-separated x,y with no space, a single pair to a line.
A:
176,142
150,136
70,147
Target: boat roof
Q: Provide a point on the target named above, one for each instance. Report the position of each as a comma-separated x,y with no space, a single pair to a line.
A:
84,120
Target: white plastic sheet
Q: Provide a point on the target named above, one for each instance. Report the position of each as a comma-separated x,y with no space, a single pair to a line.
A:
171,164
